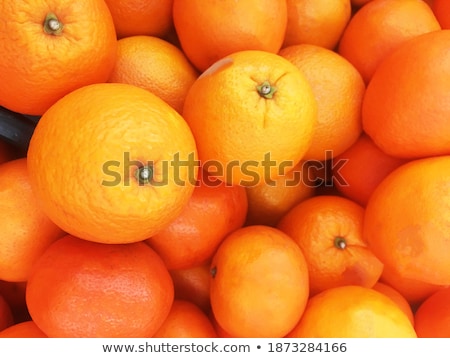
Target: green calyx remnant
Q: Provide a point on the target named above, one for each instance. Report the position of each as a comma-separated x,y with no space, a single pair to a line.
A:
213,272
266,90
144,175
340,243
52,25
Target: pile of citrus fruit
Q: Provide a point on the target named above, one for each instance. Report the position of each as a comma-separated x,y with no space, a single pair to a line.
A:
205,168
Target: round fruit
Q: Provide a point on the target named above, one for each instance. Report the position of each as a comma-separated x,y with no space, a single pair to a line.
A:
253,115
112,163
86,289
406,220
352,312
50,48
259,283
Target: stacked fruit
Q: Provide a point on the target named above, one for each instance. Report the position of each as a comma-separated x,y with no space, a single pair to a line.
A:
203,168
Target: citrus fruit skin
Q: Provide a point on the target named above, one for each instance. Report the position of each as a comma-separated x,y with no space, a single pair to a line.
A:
432,318
85,289
253,114
329,230
352,312
87,155
259,283
186,320
339,90
26,229
156,65
211,213
316,22
406,220
209,31
39,66
381,26
25,329
404,114
141,17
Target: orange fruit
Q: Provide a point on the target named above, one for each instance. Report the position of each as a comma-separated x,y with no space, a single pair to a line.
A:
6,316
397,297
156,65
211,30
432,318
192,284
57,47
253,115
26,329
381,26
352,312
259,283
339,90
86,289
138,17
269,201
27,231
186,320
364,166
135,166
441,9
406,115
329,230
406,223
316,22
211,213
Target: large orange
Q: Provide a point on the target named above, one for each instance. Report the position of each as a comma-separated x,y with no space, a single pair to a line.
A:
405,108
119,167
210,30
364,166
50,48
156,65
268,202
329,230
141,17
406,220
339,90
379,27
213,211
259,283
352,312
186,320
316,22
80,288
441,8
432,318
253,114
26,229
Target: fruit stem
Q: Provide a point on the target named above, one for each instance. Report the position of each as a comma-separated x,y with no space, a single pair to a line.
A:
52,25
340,242
266,90
144,175
213,272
